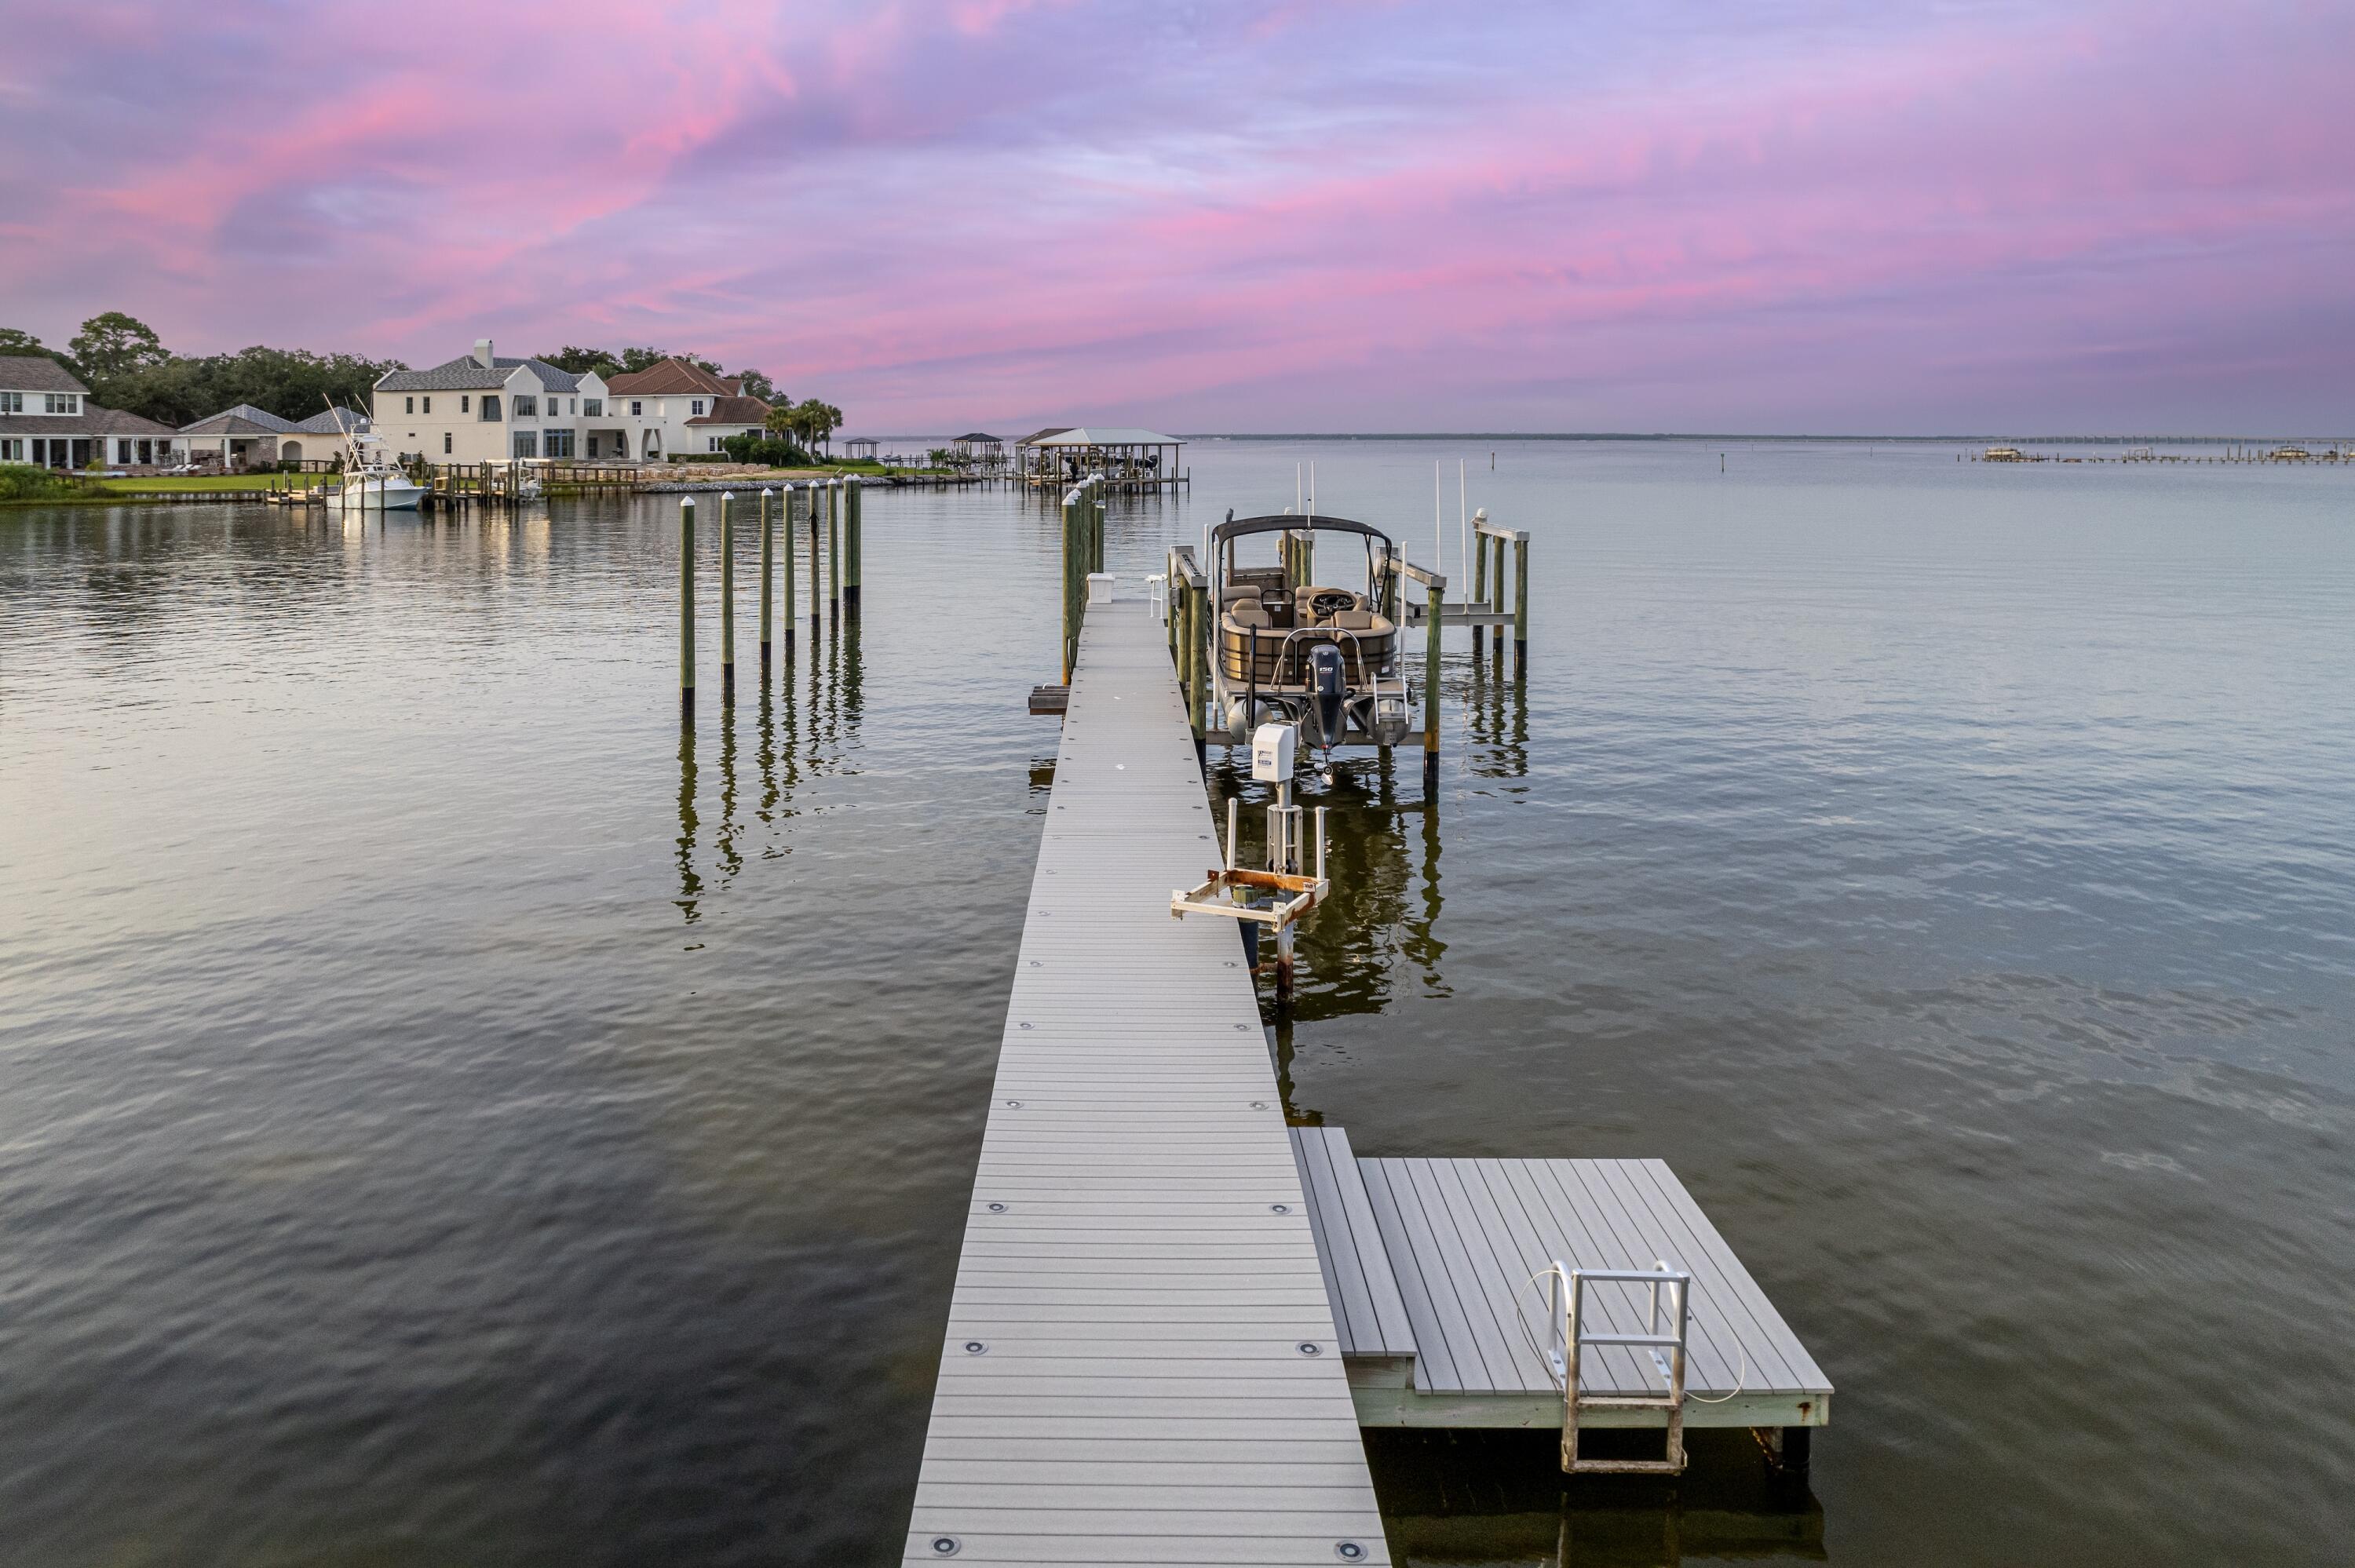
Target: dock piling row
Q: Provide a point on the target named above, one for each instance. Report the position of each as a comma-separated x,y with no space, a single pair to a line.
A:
727,601
686,606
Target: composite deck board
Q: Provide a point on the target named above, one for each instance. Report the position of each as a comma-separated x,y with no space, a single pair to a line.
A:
1464,1237
1139,1272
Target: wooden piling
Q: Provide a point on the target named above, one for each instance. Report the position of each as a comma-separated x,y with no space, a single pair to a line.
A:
817,561
686,606
1520,603
1479,587
768,578
1435,618
834,546
727,600
852,497
785,526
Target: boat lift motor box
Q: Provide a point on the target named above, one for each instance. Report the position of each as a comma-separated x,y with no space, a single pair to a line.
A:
1273,749
1100,587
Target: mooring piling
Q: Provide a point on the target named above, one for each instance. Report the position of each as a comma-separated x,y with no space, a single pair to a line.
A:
834,546
851,528
785,598
817,558
727,600
686,606
768,577
1434,615
1520,601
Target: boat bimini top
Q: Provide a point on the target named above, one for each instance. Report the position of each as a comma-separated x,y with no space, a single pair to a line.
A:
1293,647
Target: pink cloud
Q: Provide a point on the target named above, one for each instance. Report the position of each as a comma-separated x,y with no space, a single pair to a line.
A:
1298,217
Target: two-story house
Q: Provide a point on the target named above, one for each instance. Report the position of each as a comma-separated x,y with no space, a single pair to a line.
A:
482,408
46,419
676,408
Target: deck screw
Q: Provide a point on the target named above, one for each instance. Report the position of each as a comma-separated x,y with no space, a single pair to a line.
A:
1034,963
1258,1104
1241,1027
998,1208
1309,1348
1022,1026
1281,1208
1347,1551
946,1545
1015,1105
976,1347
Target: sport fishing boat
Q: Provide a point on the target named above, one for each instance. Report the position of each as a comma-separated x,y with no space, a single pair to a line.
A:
369,482
1300,642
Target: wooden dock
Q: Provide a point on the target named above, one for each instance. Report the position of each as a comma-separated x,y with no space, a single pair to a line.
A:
1141,1365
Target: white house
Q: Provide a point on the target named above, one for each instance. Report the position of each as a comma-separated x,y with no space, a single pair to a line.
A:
676,408
485,409
46,419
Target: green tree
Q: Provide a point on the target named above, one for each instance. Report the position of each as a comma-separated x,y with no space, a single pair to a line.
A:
584,361
113,344
756,384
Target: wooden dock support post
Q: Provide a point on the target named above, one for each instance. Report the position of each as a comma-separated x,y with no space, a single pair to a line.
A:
727,600
1520,603
686,606
852,494
1200,619
768,582
1071,635
1435,618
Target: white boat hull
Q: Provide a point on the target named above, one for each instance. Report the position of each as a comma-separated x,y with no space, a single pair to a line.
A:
396,493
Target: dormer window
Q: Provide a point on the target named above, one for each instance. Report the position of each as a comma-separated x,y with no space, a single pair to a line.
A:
636,408
12,402
696,407
593,406
61,402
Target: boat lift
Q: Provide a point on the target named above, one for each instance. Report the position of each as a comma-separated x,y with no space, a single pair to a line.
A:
1278,896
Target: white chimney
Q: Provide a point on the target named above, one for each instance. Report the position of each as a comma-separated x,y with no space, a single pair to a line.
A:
483,352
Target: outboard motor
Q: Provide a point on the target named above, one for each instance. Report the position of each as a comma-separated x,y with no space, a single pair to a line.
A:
1327,695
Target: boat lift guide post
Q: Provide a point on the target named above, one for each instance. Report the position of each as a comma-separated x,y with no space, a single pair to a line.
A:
1234,893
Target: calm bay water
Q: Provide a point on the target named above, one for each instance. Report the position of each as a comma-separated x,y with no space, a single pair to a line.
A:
449,1114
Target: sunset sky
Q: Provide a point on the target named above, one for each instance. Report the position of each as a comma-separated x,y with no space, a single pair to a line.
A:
1798,216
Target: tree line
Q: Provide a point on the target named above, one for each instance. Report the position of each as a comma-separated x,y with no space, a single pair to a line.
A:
125,365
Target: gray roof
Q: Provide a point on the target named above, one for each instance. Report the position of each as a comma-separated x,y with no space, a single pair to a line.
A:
1103,436
244,419
36,373
467,374
92,421
334,422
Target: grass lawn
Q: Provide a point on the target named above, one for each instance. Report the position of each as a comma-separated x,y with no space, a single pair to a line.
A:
165,484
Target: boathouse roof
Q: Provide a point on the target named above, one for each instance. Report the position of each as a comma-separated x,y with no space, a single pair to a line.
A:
241,420
1105,436
1035,436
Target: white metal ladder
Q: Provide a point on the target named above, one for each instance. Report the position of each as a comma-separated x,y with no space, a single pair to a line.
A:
1566,1303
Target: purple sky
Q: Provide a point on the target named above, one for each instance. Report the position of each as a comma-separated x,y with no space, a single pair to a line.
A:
1781,216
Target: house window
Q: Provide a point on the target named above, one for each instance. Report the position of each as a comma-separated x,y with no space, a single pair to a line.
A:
12,451
526,442
12,403
147,450
696,407
559,443
429,404
61,402
711,444
123,451
636,408
593,406
408,404
490,406
465,403
527,408
446,443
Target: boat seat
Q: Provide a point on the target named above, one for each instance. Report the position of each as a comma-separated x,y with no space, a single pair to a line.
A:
1246,594
1355,619
1253,613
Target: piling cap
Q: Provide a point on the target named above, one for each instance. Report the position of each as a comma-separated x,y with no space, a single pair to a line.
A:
727,495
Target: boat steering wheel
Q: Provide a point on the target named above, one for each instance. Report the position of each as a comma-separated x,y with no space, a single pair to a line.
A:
1329,603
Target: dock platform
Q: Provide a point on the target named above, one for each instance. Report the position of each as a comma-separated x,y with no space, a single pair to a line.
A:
1431,1266
1141,1365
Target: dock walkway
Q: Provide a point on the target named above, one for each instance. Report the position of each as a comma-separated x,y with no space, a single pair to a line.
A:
1141,1364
